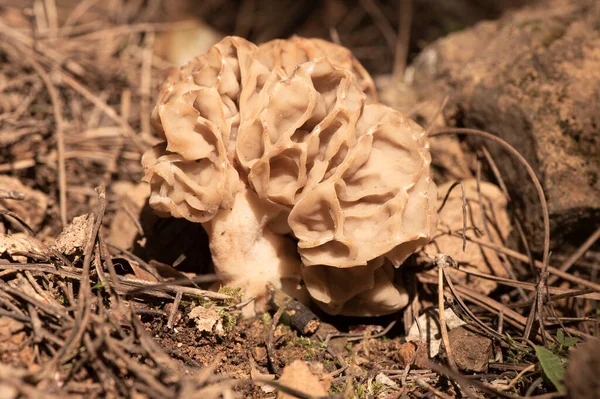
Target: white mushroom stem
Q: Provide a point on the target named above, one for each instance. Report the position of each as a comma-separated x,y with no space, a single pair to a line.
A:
246,253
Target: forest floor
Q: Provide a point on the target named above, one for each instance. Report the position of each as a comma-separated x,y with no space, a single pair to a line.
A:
95,293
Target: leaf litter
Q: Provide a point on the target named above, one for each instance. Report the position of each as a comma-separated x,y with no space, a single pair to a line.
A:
85,316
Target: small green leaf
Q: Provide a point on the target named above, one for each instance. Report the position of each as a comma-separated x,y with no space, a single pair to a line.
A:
99,285
552,366
561,336
570,341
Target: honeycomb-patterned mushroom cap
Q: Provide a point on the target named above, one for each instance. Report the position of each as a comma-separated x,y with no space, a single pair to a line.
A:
289,132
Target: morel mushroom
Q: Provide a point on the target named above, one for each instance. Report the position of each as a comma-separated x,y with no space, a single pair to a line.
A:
281,152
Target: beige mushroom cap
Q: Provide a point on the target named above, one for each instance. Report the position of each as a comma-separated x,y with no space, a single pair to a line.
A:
263,143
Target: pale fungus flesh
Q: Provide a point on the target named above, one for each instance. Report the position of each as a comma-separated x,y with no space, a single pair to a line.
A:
299,177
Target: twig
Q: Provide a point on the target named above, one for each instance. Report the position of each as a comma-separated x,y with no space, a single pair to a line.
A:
269,341
518,377
377,335
108,111
465,382
174,310
301,318
464,209
538,264
146,82
60,138
405,10
537,308
530,171
587,244
381,21
431,389
84,301
290,391
441,261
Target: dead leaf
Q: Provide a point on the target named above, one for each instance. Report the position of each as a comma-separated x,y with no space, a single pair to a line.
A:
20,246
299,376
477,258
181,45
385,380
259,379
9,326
140,273
449,157
426,329
207,320
74,237
131,199
32,208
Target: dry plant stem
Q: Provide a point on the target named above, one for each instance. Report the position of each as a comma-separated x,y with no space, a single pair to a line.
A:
355,337
484,216
60,137
557,291
108,111
518,225
84,302
442,261
538,264
146,82
172,289
532,175
577,254
437,114
18,219
372,8
174,309
137,28
537,308
301,317
52,17
290,391
514,381
78,11
46,51
57,312
57,60
136,258
205,278
431,389
464,209
405,9
335,36
407,369
269,341
466,382
511,317
142,372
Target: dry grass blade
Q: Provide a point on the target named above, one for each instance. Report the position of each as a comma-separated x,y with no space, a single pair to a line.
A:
442,261
84,302
405,10
587,244
553,270
60,137
562,292
537,309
